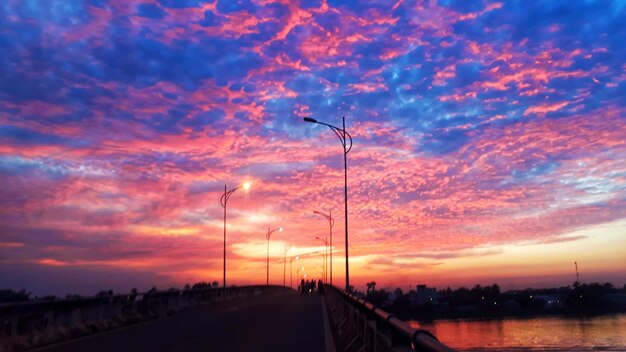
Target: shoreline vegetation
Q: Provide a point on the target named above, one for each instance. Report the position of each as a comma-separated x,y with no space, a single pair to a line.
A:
489,315
428,304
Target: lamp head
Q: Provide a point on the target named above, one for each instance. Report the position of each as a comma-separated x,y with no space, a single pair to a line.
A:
246,185
280,229
309,119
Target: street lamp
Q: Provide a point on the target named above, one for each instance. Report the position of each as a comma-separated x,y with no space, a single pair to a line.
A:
267,235
291,270
331,223
301,274
285,263
223,202
346,142
325,240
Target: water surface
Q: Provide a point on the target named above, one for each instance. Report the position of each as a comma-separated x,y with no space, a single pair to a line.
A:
548,333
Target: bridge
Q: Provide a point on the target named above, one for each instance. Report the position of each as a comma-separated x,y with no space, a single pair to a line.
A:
251,318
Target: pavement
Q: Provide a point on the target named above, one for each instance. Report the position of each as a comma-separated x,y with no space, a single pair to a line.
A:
283,320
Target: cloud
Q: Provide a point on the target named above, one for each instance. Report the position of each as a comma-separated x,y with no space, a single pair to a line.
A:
151,11
476,126
545,108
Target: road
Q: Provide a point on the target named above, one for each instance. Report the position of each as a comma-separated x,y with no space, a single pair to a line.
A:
277,321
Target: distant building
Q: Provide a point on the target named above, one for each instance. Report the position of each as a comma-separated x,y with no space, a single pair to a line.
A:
424,295
551,301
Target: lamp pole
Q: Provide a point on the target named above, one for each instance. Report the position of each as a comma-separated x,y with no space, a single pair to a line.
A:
284,265
291,270
331,223
300,274
346,142
223,201
268,235
325,240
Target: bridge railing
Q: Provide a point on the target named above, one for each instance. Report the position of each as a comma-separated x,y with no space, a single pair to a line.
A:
25,325
361,326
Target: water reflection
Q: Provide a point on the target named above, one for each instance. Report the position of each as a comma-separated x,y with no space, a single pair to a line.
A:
540,333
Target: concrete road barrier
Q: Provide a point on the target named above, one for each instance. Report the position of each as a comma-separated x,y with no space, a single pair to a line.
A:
25,325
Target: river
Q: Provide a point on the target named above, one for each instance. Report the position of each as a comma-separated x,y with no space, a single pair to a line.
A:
546,333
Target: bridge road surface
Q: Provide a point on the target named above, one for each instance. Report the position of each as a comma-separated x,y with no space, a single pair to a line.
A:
283,320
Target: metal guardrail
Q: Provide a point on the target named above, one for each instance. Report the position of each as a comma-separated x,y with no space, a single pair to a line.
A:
365,327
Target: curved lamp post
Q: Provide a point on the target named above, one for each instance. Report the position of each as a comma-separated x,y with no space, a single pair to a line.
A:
291,270
346,142
223,202
268,235
301,274
285,263
325,241
331,223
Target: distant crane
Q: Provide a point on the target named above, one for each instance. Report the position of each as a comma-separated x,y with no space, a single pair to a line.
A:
577,276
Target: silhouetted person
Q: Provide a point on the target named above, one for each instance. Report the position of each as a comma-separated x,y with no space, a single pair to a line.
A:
320,286
312,286
302,287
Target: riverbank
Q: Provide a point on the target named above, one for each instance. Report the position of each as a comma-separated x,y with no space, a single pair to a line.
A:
447,314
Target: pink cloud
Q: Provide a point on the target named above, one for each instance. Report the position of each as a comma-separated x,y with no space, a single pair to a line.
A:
545,108
368,87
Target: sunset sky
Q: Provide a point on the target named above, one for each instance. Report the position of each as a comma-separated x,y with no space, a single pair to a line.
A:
489,141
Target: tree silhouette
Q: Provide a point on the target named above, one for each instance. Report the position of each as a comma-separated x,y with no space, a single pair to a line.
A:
371,286
8,295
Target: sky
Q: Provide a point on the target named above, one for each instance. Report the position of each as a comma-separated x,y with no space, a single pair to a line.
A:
489,142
